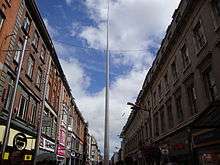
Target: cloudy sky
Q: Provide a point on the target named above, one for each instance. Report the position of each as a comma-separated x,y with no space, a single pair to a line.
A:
78,30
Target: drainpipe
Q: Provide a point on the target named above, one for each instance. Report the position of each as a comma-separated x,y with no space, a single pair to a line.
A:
39,132
58,119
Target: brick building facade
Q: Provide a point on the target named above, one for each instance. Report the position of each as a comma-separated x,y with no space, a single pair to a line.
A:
43,99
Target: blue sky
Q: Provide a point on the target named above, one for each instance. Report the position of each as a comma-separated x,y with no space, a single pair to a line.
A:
78,30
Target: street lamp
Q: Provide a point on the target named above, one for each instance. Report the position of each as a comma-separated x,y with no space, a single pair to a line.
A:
139,108
134,106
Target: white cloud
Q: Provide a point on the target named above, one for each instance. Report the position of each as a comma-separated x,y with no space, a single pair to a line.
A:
133,24
76,76
68,2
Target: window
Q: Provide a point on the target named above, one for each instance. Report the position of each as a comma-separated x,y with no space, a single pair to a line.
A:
64,116
210,84
156,125
166,81
185,56
179,109
2,18
191,97
199,36
162,119
23,105
54,128
43,52
174,71
7,104
216,6
169,114
26,24
154,98
35,39
18,51
39,78
33,111
44,126
159,90
48,91
30,67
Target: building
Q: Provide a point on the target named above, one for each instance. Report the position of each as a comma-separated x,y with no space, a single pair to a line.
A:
176,115
43,104
77,137
17,22
93,153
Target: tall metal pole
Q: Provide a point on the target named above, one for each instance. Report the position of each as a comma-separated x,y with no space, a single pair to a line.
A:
106,138
7,130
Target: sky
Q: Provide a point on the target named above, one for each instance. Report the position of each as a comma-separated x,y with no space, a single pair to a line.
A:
78,31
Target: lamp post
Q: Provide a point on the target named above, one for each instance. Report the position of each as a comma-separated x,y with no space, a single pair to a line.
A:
7,129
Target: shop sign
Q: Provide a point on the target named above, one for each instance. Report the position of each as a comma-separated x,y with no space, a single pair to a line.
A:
27,157
61,150
20,141
5,156
73,154
47,145
62,136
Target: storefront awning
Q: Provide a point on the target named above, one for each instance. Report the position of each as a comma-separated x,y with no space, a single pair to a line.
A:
151,151
46,157
208,119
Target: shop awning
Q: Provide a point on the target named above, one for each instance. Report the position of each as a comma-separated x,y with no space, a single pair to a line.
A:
151,151
208,119
46,157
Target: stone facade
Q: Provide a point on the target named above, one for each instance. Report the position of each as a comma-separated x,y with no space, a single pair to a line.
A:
180,89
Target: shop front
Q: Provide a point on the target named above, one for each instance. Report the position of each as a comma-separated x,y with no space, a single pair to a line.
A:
206,137
176,148
20,148
151,154
61,154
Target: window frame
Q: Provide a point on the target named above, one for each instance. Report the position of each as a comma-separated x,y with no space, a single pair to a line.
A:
185,56
170,116
162,120
30,68
216,6
35,39
25,107
208,87
174,70
18,51
33,112
10,87
179,105
39,78
42,55
156,125
199,36
191,96
26,21
2,15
